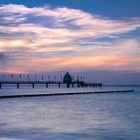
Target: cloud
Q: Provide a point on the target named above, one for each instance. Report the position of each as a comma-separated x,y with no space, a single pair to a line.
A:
4,60
65,18
121,55
14,19
2,56
40,38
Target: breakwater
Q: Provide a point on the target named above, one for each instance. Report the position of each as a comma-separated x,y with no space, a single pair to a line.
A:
60,94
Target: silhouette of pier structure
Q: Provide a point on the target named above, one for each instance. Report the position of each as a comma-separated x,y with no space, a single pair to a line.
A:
67,80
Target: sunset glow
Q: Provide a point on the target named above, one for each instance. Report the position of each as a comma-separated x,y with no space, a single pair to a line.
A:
42,38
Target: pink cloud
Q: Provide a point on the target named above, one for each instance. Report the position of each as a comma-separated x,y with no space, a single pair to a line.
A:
34,46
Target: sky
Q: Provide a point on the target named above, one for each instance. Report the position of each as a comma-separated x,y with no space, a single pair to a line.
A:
71,35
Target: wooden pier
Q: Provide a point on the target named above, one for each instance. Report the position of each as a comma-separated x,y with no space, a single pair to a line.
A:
47,83
68,80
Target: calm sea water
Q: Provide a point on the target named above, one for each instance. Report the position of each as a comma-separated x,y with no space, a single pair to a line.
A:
113,116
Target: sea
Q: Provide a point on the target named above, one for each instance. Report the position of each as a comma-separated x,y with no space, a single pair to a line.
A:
107,116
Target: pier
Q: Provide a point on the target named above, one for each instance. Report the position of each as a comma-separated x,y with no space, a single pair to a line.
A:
47,83
66,80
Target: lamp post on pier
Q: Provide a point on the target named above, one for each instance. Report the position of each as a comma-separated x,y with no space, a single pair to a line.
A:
48,77
42,77
35,77
3,76
12,77
28,77
20,77
55,78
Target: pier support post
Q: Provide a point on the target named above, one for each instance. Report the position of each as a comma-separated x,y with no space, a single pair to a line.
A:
78,85
17,85
46,85
59,85
100,85
33,85
72,85
68,85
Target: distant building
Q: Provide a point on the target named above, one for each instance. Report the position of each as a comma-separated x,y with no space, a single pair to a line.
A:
67,78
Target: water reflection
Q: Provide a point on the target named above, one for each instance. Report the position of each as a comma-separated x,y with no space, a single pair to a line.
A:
79,117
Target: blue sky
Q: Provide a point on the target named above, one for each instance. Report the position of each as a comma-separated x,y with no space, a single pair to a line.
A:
110,8
75,35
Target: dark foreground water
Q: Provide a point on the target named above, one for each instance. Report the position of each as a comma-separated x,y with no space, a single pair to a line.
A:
113,116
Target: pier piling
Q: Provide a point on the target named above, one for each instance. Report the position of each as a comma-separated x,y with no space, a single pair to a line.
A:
17,85
72,85
46,85
33,85
68,85
59,85
78,85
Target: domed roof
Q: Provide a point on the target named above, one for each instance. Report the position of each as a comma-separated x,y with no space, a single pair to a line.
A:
67,78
